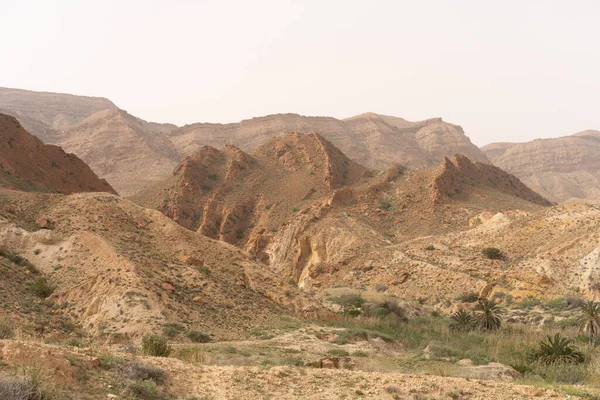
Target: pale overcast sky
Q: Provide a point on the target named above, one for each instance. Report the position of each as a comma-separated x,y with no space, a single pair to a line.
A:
503,70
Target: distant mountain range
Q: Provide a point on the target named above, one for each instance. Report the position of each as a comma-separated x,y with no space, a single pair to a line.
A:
133,154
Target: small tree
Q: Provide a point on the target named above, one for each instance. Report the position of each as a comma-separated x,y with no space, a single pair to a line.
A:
487,316
557,350
589,321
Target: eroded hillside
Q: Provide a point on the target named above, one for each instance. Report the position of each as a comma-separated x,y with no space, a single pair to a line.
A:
25,158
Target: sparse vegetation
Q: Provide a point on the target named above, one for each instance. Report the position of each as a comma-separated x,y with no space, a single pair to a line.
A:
385,205
6,329
136,370
468,297
20,388
156,345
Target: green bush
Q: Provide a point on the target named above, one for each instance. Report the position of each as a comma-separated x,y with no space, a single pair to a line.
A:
198,337
41,288
156,345
462,321
493,253
144,389
556,350
337,352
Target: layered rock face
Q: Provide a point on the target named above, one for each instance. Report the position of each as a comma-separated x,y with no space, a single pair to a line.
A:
25,157
560,169
129,152
133,154
373,140
54,110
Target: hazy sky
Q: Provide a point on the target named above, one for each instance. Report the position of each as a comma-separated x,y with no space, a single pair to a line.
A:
503,70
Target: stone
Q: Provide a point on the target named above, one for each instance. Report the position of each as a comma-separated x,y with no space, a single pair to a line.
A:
168,286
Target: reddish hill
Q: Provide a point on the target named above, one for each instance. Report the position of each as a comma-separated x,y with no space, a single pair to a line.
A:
25,157
223,193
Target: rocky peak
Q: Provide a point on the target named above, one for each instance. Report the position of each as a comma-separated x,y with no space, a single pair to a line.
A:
454,174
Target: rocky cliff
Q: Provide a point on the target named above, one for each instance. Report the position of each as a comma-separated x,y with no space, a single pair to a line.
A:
373,140
560,169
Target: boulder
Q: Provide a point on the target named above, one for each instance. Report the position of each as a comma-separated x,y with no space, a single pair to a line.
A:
491,371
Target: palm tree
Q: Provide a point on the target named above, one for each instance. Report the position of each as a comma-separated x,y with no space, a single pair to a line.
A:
557,350
589,321
487,315
462,321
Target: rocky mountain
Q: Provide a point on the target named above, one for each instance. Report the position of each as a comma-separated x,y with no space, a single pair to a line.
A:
313,216
53,110
25,158
373,140
559,169
221,193
132,154
127,151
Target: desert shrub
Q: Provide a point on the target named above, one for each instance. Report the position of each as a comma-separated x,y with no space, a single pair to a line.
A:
574,301
360,354
108,361
528,302
137,371
493,253
559,302
156,345
386,308
41,288
385,205
462,321
6,329
351,303
430,247
198,337
144,389
571,374
337,352
468,297
556,350
172,329
19,388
